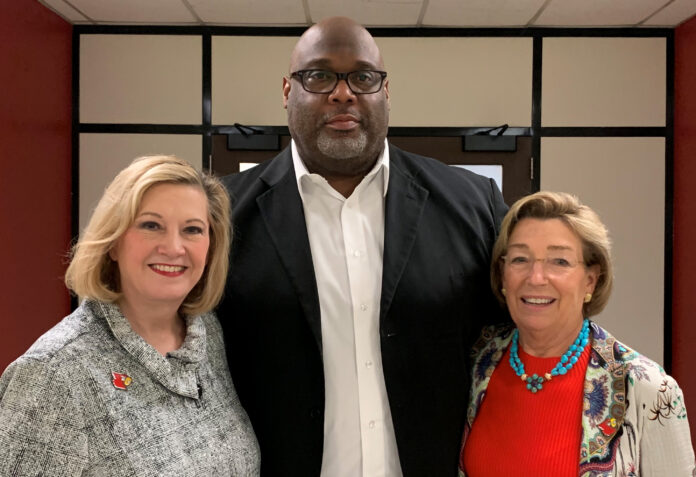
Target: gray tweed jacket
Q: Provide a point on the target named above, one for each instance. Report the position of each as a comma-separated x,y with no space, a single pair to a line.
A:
92,398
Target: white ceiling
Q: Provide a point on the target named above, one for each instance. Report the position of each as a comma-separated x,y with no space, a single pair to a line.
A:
385,13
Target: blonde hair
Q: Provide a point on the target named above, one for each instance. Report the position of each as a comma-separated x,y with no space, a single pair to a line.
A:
582,220
93,274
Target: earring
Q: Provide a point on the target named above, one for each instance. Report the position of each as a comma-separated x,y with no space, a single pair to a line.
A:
588,297
503,291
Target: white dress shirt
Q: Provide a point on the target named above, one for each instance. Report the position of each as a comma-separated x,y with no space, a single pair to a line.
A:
346,236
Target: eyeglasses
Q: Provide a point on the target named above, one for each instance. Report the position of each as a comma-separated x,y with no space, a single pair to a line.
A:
553,265
322,81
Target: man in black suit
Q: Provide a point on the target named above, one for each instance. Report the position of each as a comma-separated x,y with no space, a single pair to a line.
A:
358,280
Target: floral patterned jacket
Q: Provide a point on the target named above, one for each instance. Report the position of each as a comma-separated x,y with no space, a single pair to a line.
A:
634,420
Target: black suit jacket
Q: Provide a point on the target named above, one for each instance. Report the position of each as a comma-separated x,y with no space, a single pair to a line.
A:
440,226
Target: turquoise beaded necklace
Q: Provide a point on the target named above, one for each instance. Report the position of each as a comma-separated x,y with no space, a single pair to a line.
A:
569,358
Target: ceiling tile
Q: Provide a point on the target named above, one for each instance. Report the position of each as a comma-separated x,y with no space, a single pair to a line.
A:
64,10
250,12
673,14
151,12
403,13
577,13
369,12
481,13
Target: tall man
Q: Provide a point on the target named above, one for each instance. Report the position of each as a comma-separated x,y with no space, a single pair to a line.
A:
359,279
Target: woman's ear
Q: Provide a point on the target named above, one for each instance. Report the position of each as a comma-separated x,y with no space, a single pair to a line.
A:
593,272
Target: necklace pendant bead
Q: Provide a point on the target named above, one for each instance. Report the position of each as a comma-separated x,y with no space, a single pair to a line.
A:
534,383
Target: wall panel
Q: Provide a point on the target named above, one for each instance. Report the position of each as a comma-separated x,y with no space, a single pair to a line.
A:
459,82
491,85
623,180
102,156
604,82
141,79
247,77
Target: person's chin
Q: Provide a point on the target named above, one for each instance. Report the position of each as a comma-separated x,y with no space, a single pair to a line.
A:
342,134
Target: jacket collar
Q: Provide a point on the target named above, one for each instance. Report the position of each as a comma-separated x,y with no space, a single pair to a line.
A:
604,402
177,374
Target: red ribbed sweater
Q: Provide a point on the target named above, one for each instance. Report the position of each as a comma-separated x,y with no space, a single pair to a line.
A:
517,432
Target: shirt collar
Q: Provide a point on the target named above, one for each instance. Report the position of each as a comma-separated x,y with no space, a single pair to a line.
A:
382,163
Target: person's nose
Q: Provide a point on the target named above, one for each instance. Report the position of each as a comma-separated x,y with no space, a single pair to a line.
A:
342,93
537,272
171,244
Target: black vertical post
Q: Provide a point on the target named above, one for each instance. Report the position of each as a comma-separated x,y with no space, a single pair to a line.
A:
537,52
669,200
207,99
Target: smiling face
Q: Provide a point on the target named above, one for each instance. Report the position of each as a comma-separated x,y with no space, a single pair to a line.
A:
337,133
546,298
162,255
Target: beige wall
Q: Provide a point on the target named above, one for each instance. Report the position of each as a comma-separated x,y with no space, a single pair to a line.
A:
623,179
247,79
141,79
604,82
102,156
458,82
450,82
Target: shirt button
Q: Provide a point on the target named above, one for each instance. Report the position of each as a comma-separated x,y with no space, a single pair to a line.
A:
363,307
368,364
371,424
356,253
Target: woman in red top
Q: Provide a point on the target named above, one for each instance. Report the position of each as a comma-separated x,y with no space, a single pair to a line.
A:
556,395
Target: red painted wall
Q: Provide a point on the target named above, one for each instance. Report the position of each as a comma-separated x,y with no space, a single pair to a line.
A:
684,274
35,165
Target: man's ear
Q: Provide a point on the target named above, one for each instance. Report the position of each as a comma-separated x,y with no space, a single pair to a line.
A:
286,91
386,91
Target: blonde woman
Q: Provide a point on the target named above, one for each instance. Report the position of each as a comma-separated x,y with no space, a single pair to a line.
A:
135,381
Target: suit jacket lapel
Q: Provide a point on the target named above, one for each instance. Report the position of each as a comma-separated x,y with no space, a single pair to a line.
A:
283,214
403,209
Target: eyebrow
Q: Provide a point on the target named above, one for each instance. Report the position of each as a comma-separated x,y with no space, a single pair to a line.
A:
324,63
155,214
550,247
